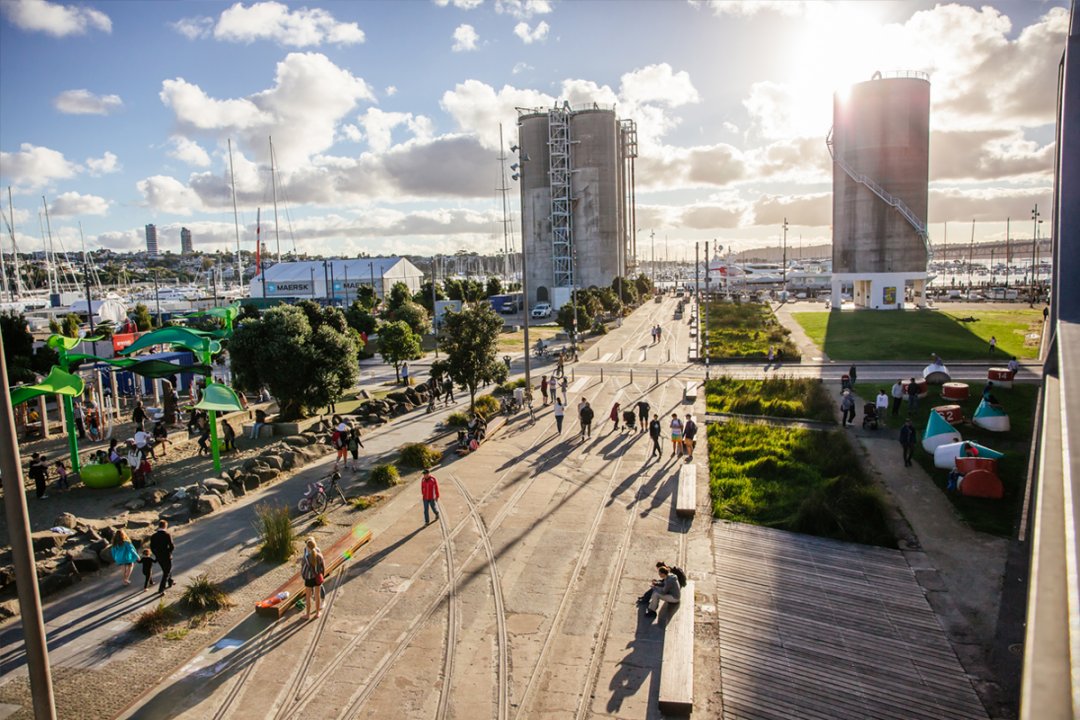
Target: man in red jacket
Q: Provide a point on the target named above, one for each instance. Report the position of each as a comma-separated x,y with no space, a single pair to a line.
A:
429,491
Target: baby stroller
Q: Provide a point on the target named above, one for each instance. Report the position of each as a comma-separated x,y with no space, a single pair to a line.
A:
870,416
845,382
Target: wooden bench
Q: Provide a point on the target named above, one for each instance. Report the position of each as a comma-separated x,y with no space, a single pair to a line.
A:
690,393
677,666
267,430
686,495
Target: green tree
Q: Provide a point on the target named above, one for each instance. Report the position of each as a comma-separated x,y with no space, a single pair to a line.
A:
248,312
644,286
143,322
18,347
455,289
306,359
566,318
69,326
54,326
423,298
470,340
474,291
360,319
399,295
415,316
398,343
610,301
366,296
494,286
625,289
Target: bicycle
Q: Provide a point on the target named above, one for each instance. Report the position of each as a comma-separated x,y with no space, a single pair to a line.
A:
317,497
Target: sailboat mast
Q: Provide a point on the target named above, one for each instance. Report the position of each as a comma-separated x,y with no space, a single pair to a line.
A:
49,249
14,246
236,220
502,190
273,184
3,267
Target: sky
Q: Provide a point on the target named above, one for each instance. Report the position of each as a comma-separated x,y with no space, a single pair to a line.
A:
385,116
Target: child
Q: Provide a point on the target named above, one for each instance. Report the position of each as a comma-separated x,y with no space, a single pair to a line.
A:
354,445
61,476
229,436
147,561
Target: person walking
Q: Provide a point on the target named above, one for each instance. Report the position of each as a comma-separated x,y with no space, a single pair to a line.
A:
912,396
907,441
147,561
689,436
643,413
404,373
853,374
881,403
39,473
654,435
228,436
993,344
676,427
429,493
585,417
448,390
124,554
61,476
897,396
544,388
560,411
659,333
847,409
161,545
562,386
312,569
614,416
354,444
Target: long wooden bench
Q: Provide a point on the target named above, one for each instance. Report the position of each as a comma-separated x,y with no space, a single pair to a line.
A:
677,666
690,394
686,496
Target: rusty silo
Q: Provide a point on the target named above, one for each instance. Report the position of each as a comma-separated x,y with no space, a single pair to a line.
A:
880,143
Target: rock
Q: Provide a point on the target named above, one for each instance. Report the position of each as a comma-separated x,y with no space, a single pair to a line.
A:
238,489
364,394
207,504
154,497
397,396
9,609
273,461
176,513
140,523
135,504
46,553
108,531
47,567
266,474
218,486
251,481
288,460
97,546
7,576
105,556
56,581
86,561
248,464
44,540
65,520
297,441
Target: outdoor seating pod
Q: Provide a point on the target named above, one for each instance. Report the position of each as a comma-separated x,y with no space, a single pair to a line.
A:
950,413
955,391
945,455
938,433
991,417
967,464
1001,377
919,383
983,484
104,475
936,374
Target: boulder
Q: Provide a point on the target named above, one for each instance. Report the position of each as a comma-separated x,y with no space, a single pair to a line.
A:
288,460
273,461
297,441
108,531
364,394
248,464
251,481
135,504
139,523
86,561
154,497
397,396
9,609
65,520
265,474
44,540
176,513
56,581
7,576
218,486
238,489
105,556
207,504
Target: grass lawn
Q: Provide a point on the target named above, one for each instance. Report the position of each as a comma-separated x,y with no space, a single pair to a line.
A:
914,334
783,397
991,516
515,342
746,330
801,480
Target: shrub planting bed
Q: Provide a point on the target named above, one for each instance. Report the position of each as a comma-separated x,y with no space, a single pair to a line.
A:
783,397
747,331
800,480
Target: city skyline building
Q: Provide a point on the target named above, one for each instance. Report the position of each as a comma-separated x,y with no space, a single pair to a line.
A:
186,247
151,240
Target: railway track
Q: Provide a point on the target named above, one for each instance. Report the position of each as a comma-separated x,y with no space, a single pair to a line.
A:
453,620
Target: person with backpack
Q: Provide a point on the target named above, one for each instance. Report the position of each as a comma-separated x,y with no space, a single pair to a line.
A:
689,434
654,435
312,570
643,413
679,575
668,590
847,409
585,417
339,441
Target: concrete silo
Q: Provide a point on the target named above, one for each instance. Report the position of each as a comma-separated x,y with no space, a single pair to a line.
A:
575,187
880,143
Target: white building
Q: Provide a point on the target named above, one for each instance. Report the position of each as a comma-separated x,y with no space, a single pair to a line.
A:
336,279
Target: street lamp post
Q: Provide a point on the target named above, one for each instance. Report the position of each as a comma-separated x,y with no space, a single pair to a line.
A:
1034,248
707,280
519,170
784,268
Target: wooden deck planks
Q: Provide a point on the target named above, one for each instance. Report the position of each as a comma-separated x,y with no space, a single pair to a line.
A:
686,497
815,628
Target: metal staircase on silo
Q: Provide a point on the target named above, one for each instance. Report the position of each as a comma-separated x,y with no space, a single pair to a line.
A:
885,195
562,242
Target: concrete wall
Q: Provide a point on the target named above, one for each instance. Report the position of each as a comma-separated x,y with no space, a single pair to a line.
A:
879,291
536,206
881,129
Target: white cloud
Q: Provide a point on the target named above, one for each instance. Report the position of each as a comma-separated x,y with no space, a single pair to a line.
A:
33,166
730,127
55,19
478,109
460,4
749,8
523,9
167,194
304,27
465,38
352,133
521,67
302,111
986,204
378,126
194,28
73,203
530,35
84,102
188,151
107,163
813,209
658,84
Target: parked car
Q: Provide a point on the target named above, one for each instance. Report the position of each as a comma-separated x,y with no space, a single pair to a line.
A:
541,310
509,307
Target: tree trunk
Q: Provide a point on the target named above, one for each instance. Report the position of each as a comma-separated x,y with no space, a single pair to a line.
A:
397,374
472,397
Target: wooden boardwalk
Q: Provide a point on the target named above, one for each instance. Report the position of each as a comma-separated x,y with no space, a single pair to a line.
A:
828,630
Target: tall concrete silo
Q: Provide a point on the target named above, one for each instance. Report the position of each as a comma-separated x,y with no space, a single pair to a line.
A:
574,191
880,145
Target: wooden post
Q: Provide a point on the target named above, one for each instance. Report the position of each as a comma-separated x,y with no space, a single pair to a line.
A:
157,392
115,395
43,411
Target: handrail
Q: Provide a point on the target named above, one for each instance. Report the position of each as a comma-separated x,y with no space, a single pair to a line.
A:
886,196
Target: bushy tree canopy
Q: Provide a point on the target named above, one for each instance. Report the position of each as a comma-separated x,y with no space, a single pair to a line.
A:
415,316
303,353
423,297
360,319
566,317
366,296
644,285
625,289
494,286
470,340
142,319
398,343
19,354
399,295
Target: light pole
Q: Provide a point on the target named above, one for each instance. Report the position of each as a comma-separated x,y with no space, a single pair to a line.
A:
784,268
652,237
1034,247
519,170
434,308
707,279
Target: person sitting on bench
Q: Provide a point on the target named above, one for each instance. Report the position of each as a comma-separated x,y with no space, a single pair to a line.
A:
260,420
668,591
